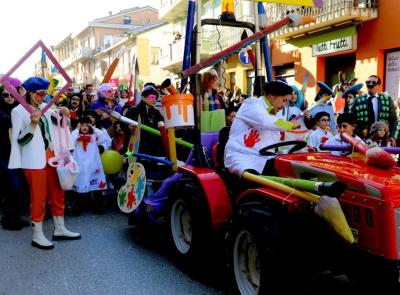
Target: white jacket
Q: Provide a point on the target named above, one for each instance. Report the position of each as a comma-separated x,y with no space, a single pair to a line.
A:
33,154
253,129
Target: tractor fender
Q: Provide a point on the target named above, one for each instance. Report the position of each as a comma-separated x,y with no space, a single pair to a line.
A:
215,192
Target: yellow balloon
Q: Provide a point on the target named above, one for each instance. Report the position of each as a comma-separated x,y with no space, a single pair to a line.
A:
112,162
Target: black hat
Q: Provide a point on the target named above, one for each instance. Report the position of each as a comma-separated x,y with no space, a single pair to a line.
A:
278,88
149,89
85,119
319,115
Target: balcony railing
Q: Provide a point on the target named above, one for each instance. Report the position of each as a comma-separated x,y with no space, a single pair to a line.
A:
333,12
172,54
170,9
84,53
217,39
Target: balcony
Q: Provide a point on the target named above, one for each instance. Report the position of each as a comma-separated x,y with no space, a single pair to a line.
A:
334,13
172,56
84,53
172,9
68,61
84,78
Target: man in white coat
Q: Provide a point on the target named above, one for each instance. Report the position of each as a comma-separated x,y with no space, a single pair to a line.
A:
257,126
34,141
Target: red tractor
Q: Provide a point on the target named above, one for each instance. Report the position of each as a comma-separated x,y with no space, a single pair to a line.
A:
272,237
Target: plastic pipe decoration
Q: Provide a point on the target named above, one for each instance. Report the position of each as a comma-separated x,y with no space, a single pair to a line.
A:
15,93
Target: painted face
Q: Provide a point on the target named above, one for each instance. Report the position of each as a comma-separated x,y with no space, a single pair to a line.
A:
38,97
150,100
85,128
372,85
346,127
350,98
8,98
75,101
278,102
323,122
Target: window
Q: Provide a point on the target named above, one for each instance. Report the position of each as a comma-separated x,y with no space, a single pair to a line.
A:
154,51
127,20
285,72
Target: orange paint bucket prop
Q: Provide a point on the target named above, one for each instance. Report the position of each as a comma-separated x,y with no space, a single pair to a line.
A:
178,110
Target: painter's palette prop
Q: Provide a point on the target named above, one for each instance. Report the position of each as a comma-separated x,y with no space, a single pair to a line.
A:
131,194
14,92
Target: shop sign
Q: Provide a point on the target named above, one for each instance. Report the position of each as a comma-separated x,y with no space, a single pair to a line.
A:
333,46
392,75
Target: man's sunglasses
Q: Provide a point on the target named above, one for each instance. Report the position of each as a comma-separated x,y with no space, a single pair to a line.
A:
371,83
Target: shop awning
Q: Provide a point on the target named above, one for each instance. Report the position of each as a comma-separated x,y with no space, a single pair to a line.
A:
320,38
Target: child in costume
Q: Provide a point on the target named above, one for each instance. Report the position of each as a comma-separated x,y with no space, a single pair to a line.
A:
321,134
91,176
347,123
380,135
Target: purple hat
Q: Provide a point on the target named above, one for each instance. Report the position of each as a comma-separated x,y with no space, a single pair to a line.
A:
36,83
14,82
102,89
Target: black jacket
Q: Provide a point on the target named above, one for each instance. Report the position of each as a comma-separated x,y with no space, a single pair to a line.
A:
149,144
5,125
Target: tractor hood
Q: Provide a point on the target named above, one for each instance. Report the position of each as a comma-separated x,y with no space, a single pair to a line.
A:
372,181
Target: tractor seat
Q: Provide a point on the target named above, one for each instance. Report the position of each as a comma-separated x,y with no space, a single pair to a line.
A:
219,148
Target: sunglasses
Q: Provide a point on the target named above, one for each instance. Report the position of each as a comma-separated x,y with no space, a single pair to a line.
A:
6,95
41,93
371,83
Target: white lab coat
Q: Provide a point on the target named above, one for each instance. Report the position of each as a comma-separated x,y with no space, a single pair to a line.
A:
33,154
252,121
91,174
318,137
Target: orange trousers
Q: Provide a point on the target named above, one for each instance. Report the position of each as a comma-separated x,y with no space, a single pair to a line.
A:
44,183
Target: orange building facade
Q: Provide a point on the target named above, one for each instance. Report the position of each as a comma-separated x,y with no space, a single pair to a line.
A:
358,37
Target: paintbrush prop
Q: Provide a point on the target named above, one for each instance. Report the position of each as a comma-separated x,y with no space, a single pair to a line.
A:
128,121
292,19
375,156
113,66
326,207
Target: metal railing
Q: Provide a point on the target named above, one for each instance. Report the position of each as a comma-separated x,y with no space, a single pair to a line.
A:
332,9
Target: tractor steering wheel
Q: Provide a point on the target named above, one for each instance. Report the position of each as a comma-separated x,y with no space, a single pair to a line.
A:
297,145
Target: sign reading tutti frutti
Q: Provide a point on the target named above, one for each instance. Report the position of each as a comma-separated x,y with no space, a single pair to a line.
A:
333,46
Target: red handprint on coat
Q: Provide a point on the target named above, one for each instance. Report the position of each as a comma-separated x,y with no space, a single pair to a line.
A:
252,138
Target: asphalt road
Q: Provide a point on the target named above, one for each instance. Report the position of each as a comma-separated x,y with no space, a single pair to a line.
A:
111,258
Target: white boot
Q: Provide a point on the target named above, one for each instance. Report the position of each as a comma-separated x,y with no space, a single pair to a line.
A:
60,231
38,238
